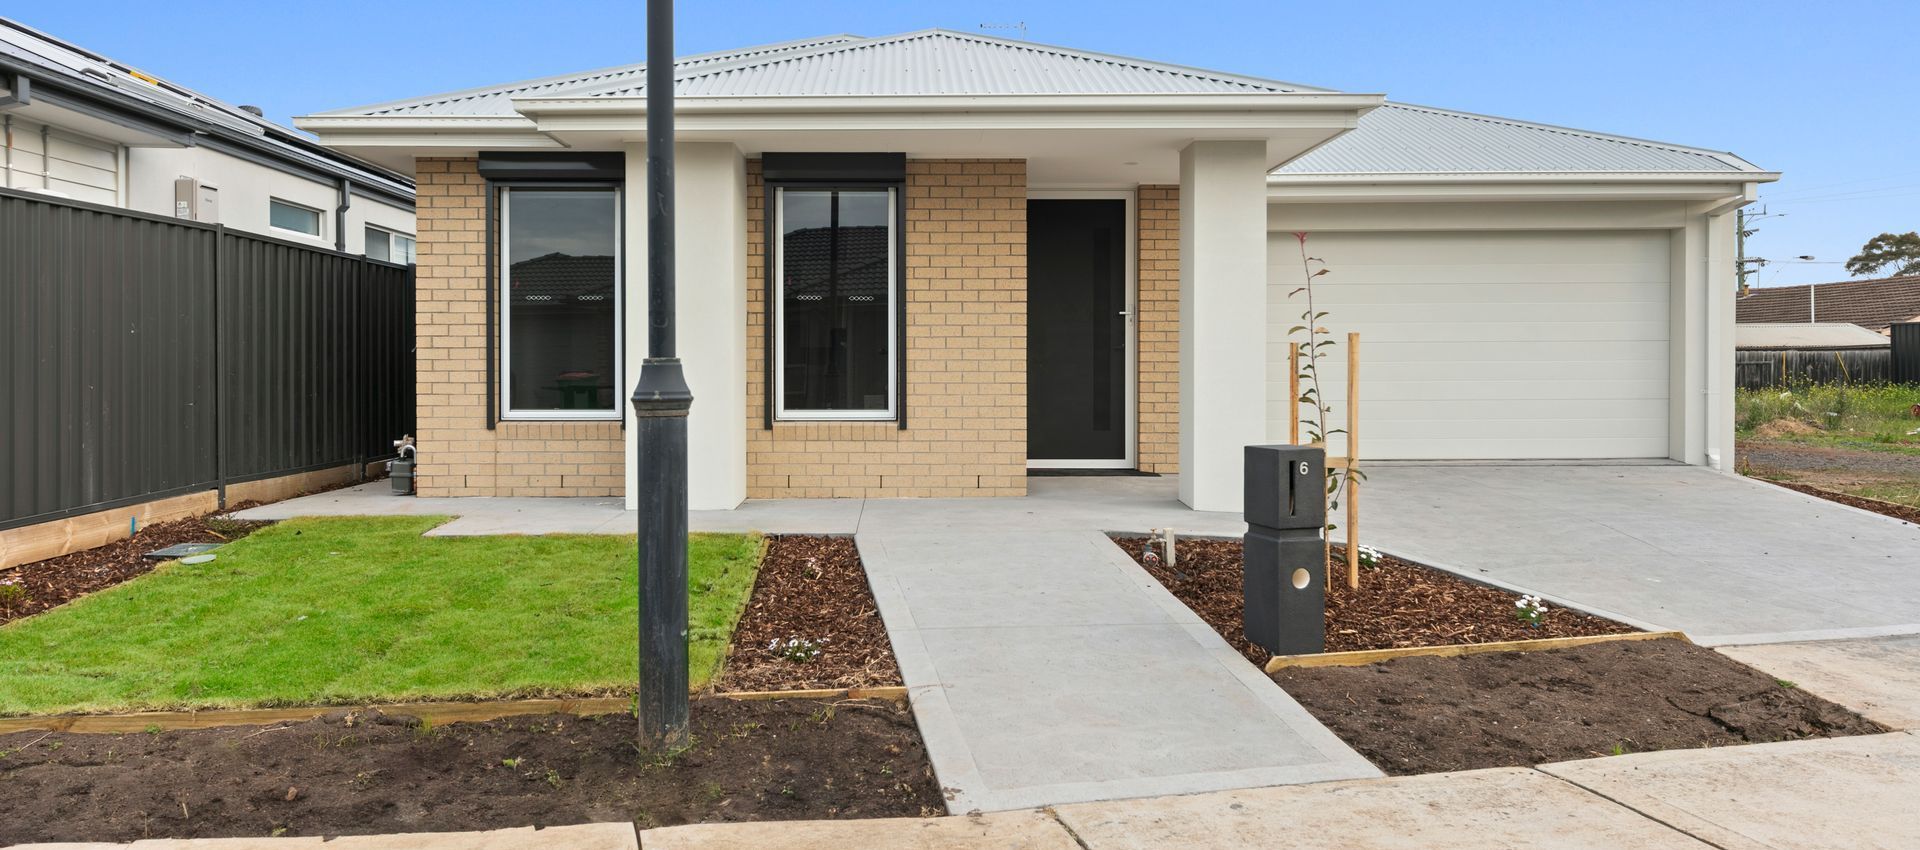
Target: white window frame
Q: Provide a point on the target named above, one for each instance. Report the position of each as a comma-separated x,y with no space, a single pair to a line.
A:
319,219
390,234
895,292
618,411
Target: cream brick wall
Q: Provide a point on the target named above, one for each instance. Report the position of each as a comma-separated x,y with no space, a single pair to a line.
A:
459,456
966,301
1158,283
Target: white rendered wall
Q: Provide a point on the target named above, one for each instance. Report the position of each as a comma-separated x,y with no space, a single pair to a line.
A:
1223,308
710,251
246,190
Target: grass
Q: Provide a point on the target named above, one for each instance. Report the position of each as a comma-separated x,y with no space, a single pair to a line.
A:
1876,416
357,609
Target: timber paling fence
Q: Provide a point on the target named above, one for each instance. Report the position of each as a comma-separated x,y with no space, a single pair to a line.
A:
146,357
1758,370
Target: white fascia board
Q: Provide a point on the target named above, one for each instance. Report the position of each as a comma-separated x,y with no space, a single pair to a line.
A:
1712,187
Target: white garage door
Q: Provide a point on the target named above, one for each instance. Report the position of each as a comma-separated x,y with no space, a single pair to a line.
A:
1481,345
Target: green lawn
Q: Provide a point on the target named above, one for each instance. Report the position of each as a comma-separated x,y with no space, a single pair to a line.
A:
353,609
1870,417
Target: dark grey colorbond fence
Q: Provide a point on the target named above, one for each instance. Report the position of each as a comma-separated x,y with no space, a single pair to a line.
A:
1906,352
146,357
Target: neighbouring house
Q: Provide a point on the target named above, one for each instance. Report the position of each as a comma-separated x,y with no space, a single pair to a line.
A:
923,264
1771,354
1874,304
77,125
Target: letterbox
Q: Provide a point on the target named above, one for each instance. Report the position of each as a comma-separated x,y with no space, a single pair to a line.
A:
1284,563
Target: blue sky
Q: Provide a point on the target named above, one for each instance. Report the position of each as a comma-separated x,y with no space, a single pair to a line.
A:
1810,89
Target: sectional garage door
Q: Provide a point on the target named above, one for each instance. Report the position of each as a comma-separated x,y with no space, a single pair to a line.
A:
1481,345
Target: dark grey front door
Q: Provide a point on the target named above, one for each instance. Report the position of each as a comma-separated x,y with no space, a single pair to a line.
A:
1077,332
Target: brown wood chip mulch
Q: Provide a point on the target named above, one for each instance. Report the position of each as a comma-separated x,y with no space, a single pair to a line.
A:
813,589
1899,512
57,581
1399,603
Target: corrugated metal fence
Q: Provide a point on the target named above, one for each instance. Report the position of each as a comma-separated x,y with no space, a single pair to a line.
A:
146,357
1906,352
1754,370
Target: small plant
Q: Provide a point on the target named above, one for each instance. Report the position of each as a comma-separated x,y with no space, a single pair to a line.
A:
512,763
795,649
553,778
1369,557
1530,610
1785,683
12,597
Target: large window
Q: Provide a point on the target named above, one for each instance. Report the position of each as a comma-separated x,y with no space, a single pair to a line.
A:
285,215
560,284
836,274
390,246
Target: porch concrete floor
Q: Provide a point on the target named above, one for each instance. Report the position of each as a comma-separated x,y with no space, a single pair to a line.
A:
1726,559
1044,665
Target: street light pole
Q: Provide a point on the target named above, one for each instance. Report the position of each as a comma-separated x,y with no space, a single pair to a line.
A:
661,400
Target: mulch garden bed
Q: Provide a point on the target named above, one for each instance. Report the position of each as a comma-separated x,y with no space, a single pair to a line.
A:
361,774
1899,512
812,590
57,581
1429,714
1399,603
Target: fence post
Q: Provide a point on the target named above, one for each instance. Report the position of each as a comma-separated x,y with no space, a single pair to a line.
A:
219,366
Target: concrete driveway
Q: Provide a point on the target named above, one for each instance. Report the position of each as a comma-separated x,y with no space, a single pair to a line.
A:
1726,559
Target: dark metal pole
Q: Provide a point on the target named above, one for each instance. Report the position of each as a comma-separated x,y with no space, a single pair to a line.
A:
660,403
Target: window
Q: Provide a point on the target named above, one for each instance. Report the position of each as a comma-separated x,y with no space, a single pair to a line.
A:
835,328
390,246
299,219
560,285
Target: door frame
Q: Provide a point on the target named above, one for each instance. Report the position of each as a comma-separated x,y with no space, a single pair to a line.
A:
1130,407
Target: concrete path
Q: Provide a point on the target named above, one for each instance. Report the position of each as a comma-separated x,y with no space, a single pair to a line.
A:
1723,558
1878,677
1839,793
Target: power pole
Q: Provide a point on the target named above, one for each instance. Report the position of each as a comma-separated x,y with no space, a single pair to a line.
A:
661,400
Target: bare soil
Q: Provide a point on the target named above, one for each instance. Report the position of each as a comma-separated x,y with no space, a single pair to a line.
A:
1399,603
57,581
1427,714
750,760
1830,471
812,589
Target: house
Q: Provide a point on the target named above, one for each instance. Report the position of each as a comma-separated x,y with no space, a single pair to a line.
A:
1772,354
1875,304
923,264
77,125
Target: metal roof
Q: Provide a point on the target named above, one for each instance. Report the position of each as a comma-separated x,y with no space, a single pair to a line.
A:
50,61
928,62
497,100
944,62
1397,138
1400,138
1756,335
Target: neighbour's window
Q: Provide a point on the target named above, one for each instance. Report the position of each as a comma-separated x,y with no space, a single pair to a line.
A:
835,332
390,246
290,216
560,285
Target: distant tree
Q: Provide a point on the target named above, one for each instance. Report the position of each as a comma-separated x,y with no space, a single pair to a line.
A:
1898,251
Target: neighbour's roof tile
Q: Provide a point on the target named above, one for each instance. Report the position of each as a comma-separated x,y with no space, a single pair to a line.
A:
1872,304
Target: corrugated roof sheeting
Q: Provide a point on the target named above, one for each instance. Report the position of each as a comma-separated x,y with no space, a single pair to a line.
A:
1403,139
496,100
1803,335
940,62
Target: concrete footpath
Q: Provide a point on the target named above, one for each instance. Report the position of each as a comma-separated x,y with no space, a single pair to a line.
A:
1835,794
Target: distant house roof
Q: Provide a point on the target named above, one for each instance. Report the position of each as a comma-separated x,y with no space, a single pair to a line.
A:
1802,336
73,77
562,280
1394,139
1872,304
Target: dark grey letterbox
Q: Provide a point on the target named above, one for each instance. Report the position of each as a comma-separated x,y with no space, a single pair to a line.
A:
1285,566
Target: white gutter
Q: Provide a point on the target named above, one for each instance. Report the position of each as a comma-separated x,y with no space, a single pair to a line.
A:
1443,178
